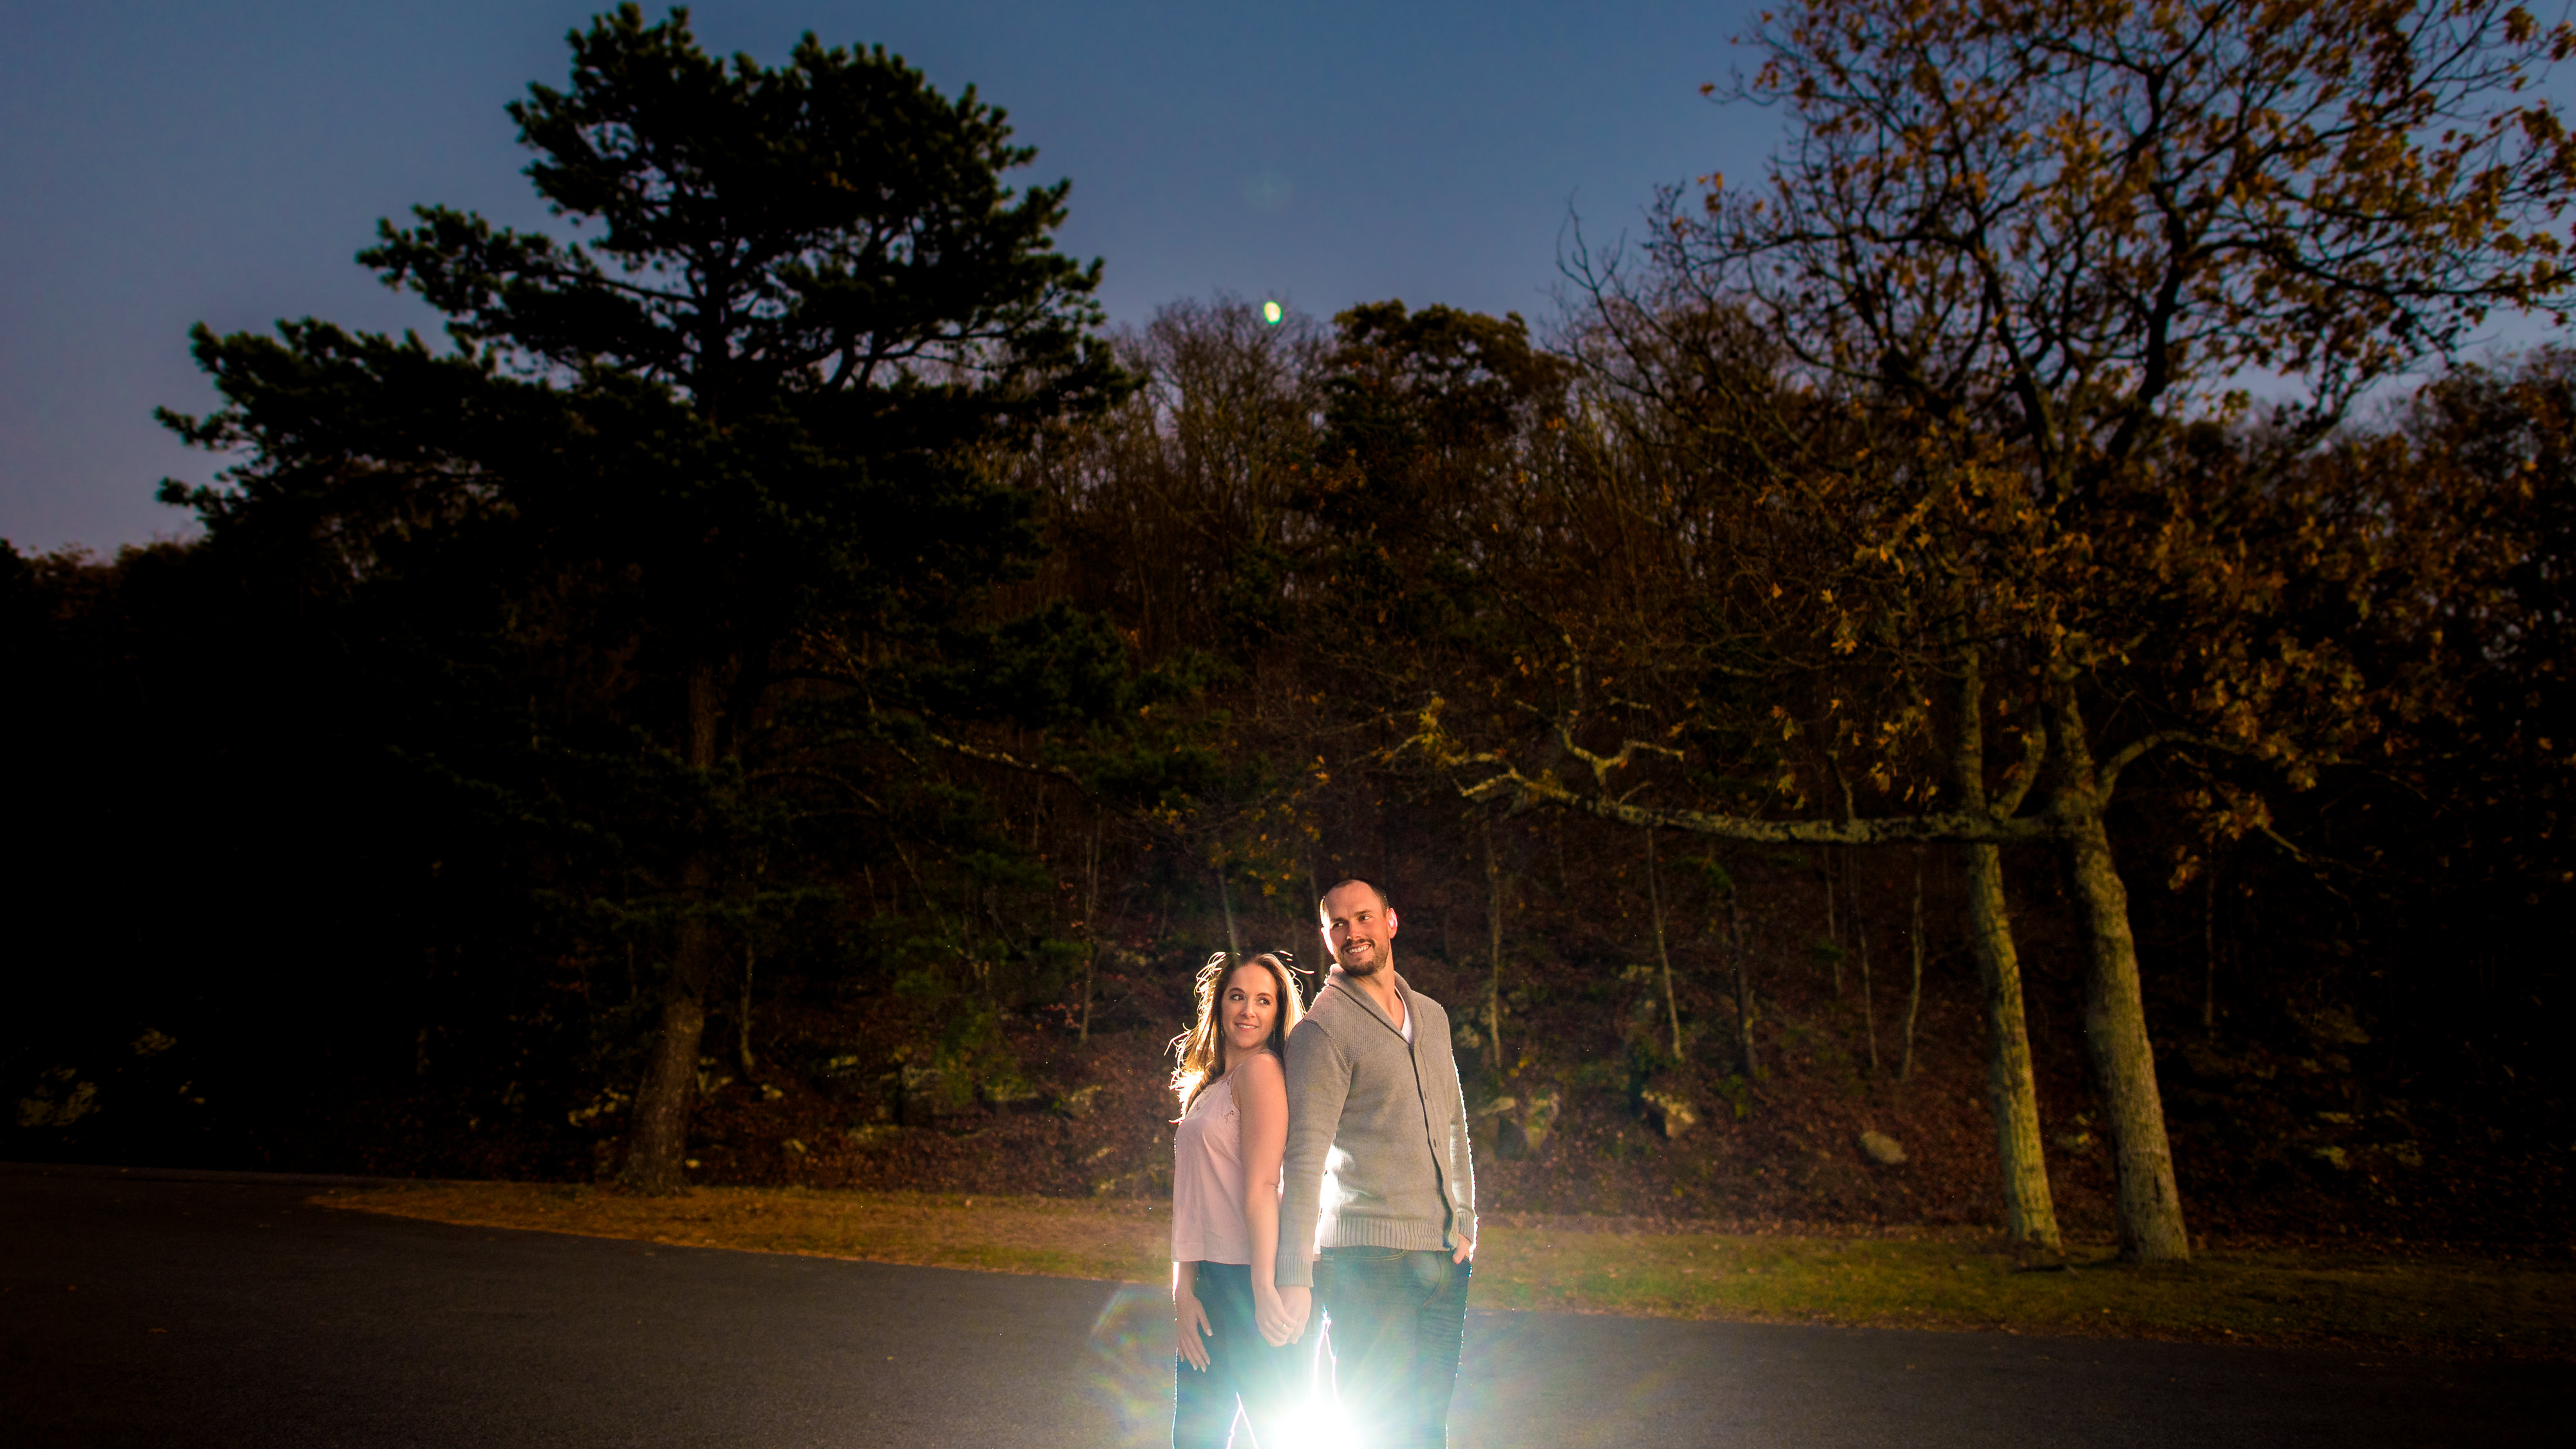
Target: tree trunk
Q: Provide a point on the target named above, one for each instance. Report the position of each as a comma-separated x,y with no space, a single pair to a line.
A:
1494,947
1868,1010
1663,958
1833,928
657,1134
2115,1015
1091,929
2011,1093
2209,955
1225,899
1913,993
742,1033
1743,986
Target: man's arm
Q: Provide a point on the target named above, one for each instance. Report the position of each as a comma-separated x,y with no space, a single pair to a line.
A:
1319,1078
1462,1162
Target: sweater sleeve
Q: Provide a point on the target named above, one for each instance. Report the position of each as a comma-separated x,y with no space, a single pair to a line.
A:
1462,1161
1319,1078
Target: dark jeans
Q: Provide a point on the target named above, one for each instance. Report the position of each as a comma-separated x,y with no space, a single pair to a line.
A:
1241,1366
1399,1319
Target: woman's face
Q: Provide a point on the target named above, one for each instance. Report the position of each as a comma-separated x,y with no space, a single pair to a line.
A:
1246,1005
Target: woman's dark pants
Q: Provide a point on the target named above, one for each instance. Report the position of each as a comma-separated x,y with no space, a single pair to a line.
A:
1241,1366
1398,1320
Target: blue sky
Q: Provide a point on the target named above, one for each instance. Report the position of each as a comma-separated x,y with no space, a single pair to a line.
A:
166,164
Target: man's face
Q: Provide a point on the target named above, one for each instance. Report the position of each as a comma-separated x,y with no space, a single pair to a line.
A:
1357,930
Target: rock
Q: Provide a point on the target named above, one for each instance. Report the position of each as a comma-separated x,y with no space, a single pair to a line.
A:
60,1100
1738,1094
1670,1111
1539,1120
1882,1149
918,1091
2335,1026
710,1080
2206,1063
844,1078
1077,1104
1004,1093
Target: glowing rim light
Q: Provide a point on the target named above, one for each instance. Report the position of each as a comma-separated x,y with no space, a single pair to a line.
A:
1272,313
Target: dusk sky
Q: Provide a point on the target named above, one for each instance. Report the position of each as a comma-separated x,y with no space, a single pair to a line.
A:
166,164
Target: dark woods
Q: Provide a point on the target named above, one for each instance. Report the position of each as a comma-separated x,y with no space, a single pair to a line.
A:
776,657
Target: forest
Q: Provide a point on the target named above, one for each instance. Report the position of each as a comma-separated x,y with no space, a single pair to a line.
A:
2012,670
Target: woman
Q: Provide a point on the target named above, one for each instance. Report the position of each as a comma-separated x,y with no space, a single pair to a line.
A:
1225,1202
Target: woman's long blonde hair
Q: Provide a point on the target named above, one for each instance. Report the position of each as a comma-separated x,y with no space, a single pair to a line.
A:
1202,1049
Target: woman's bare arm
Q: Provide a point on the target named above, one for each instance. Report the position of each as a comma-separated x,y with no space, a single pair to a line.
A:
1189,1318
1261,1096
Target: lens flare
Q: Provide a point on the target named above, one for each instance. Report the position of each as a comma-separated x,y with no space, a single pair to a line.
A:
1131,1365
1131,1376
1316,1424
1273,313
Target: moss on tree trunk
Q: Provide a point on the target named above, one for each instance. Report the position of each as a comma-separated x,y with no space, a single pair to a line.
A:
2115,1012
2012,1093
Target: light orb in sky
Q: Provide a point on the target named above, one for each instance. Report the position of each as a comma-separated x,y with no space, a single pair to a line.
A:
1272,313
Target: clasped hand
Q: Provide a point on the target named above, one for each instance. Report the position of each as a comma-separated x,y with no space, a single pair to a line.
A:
1280,1313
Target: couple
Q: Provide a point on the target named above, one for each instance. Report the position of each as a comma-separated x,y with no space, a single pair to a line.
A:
1321,1161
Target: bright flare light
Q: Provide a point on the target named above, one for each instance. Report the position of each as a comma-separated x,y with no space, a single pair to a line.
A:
1315,1424
1271,313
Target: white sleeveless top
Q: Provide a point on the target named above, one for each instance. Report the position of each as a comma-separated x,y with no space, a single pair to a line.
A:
1207,1181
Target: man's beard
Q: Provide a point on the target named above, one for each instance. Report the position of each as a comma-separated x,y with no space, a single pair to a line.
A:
1378,960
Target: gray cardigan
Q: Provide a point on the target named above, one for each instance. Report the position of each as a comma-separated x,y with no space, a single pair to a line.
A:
1390,1123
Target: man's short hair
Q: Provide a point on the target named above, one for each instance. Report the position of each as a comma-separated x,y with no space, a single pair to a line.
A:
1382,903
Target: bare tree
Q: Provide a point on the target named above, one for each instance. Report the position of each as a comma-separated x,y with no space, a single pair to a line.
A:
1663,957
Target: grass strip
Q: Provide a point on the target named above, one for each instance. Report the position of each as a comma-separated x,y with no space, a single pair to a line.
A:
1056,1238
2446,1304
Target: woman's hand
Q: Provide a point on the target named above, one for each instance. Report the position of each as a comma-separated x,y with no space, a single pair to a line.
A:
1278,1323
1190,1325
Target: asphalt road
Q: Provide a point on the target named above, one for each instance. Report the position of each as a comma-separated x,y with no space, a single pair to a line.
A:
179,1312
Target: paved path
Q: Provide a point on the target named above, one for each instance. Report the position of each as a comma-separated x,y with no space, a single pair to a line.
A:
176,1312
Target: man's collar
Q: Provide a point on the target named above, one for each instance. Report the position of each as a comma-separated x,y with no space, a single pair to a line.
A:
1351,988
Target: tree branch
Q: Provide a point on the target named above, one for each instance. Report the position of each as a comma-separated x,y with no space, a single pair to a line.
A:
1007,761
1954,828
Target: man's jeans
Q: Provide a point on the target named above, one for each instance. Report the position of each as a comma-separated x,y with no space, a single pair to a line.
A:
1398,1320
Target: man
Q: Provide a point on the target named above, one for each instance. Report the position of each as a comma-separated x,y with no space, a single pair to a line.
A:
1377,1148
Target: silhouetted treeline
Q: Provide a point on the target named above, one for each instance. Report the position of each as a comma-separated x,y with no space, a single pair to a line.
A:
276,910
